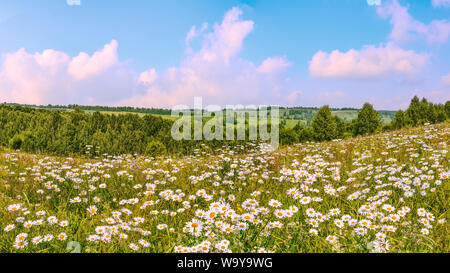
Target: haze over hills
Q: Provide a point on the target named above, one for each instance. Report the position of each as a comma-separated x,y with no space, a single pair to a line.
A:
290,116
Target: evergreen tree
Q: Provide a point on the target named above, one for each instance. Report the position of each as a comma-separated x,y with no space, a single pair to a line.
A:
368,120
324,124
340,127
400,120
424,111
441,116
413,111
447,108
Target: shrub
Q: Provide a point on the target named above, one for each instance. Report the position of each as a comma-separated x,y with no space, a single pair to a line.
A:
25,141
29,142
15,142
155,148
287,136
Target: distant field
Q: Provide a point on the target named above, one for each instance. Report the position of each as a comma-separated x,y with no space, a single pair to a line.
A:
291,116
118,113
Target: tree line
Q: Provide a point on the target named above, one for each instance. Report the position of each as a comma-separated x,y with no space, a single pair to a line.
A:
75,132
325,126
128,109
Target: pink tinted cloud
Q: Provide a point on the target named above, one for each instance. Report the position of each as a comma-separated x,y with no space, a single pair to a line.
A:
216,72
274,65
406,28
370,61
54,77
84,66
148,77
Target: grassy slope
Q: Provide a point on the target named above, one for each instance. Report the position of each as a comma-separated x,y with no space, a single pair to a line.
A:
410,147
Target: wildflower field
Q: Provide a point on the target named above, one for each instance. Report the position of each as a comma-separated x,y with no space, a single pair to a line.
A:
387,192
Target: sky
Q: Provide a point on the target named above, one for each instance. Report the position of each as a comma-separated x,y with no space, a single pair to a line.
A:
249,52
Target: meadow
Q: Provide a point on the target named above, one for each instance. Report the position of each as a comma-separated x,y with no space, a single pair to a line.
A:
386,192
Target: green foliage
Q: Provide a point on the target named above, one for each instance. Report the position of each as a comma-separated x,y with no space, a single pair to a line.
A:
66,133
447,108
155,148
401,120
413,111
368,120
324,124
288,136
304,133
30,142
16,142
327,125
69,132
420,112
82,194
118,109
340,127
25,141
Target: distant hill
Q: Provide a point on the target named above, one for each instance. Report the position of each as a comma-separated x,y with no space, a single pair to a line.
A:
289,115
304,115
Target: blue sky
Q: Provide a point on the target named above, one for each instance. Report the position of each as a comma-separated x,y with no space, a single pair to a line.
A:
266,52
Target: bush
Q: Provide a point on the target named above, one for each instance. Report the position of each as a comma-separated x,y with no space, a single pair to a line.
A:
386,127
29,142
287,136
306,134
25,141
15,142
155,148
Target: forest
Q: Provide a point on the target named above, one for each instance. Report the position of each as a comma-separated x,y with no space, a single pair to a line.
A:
79,132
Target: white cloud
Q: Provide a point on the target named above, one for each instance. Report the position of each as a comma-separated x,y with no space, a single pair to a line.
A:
148,77
406,28
84,66
53,77
368,62
216,72
440,3
226,39
274,65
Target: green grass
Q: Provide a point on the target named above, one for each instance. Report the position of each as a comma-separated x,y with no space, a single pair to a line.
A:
369,165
